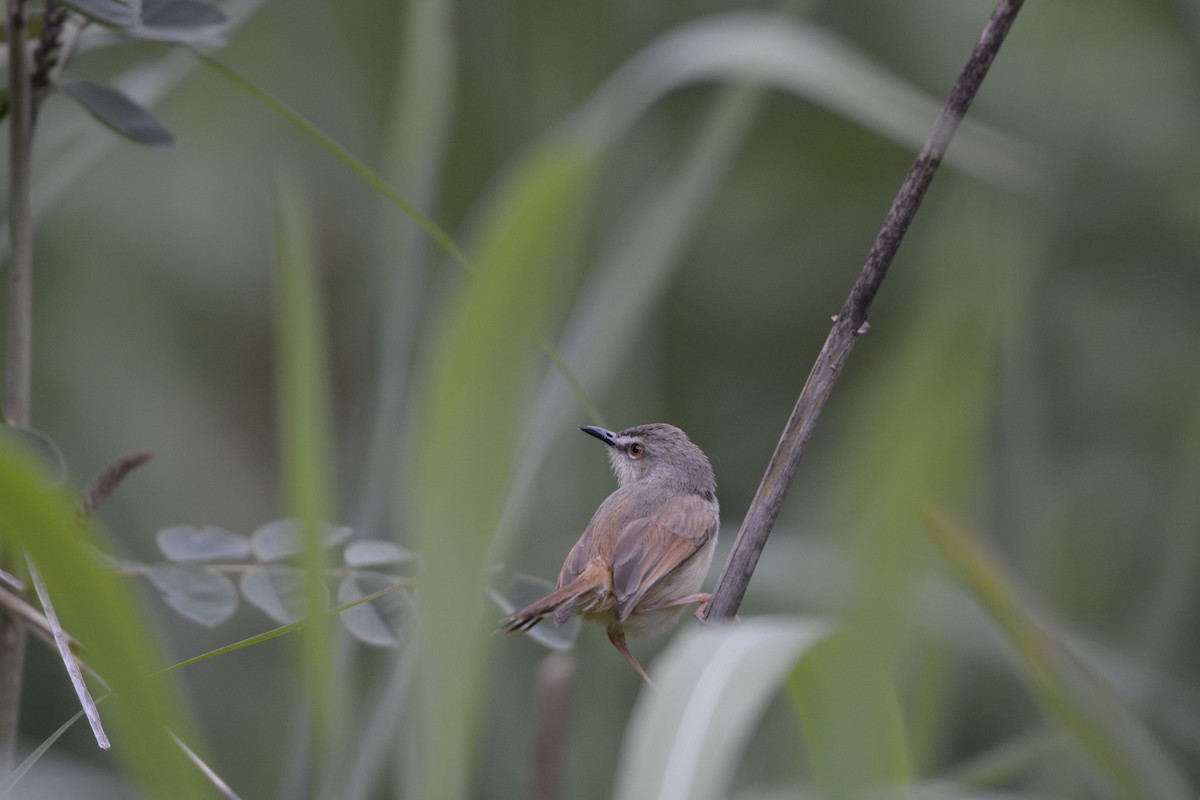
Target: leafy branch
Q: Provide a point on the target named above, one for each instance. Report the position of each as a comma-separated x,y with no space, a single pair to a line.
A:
43,628
194,579
30,78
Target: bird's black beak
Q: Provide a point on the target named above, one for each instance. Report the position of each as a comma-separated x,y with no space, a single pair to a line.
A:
608,437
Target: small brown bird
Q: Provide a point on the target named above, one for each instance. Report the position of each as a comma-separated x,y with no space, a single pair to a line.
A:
647,550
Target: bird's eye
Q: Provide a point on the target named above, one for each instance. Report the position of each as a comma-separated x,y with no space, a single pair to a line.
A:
635,449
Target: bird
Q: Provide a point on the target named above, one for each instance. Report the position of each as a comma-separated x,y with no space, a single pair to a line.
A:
646,552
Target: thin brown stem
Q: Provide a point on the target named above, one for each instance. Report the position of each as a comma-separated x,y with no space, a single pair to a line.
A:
18,341
18,345
764,509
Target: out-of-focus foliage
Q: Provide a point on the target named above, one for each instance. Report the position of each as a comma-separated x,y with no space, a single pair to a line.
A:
109,626
1031,372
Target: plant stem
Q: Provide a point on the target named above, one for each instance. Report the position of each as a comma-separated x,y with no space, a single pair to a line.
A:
18,354
764,509
63,642
46,56
18,345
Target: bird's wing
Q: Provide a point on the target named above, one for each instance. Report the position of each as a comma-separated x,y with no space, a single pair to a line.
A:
650,548
596,541
584,553
577,559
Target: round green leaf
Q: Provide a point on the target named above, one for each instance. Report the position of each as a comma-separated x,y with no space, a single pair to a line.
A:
375,553
107,560
280,539
384,621
113,109
41,446
99,605
278,591
181,21
199,593
189,543
113,13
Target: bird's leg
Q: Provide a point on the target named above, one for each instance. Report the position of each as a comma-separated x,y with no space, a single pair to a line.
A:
617,637
702,598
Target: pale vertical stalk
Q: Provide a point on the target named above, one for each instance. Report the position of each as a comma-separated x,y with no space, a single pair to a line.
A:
419,134
18,346
63,642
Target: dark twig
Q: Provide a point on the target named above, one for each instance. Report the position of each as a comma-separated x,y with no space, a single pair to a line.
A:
36,621
18,348
46,56
764,509
107,482
19,324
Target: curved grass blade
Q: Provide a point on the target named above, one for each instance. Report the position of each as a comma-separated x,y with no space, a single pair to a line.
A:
851,718
63,642
435,231
684,740
302,392
349,160
102,613
282,630
807,60
630,277
468,434
1062,683
19,771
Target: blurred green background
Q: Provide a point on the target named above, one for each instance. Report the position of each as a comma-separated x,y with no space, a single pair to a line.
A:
1032,364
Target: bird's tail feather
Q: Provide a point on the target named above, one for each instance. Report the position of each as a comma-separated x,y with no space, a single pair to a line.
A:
525,618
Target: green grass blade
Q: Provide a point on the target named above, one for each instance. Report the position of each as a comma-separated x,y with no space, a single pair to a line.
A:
419,134
846,703
380,185
1079,698
810,61
631,276
282,630
920,430
348,159
684,740
303,402
102,613
28,763
469,433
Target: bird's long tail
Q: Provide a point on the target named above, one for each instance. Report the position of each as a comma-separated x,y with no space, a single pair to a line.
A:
525,618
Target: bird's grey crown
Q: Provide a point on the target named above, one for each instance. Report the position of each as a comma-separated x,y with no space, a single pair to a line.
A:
669,456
